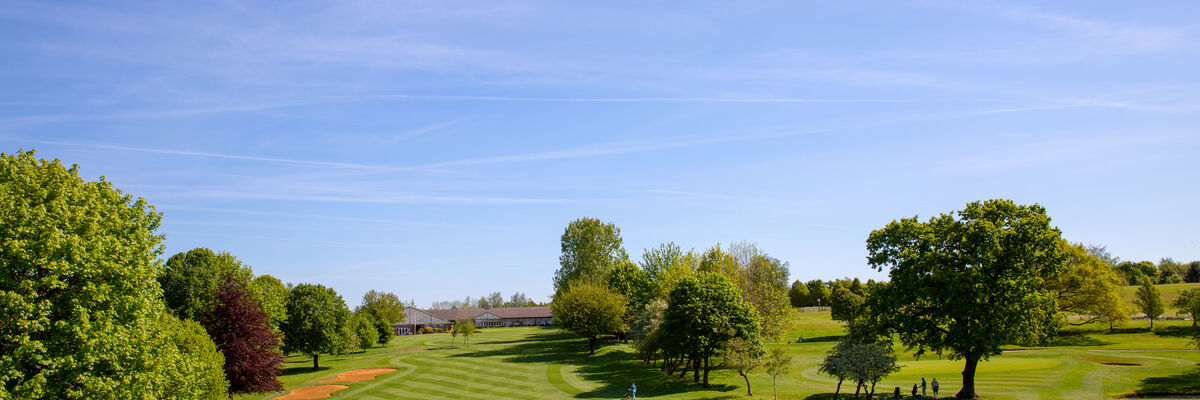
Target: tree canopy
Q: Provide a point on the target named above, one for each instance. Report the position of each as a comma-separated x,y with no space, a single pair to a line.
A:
966,283
190,280
589,249
386,308
83,314
1149,301
1088,287
1188,302
317,319
273,295
703,312
589,308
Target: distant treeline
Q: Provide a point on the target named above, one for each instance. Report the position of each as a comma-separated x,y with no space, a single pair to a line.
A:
493,300
1166,271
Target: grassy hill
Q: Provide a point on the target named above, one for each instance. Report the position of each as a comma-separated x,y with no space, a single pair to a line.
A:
1169,294
542,363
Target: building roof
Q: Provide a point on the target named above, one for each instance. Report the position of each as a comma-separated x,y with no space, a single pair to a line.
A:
502,312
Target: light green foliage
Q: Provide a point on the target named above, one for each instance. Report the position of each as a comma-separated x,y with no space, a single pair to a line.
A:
1188,302
1149,301
703,312
589,249
188,362
798,294
364,330
845,305
682,267
629,280
190,280
861,362
273,296
743,356
762,281
779,362
385,307
466,328
1134,273
589,308
79,301
644,330
1088,287
969,282
654,261
317,322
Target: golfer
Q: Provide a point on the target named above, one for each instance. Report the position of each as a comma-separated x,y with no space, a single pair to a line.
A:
935,388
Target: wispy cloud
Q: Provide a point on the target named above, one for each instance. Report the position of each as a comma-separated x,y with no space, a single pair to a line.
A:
292,161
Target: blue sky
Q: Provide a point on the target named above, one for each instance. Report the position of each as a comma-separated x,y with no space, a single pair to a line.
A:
438,149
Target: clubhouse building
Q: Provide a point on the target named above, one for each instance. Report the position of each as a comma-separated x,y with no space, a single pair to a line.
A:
416,318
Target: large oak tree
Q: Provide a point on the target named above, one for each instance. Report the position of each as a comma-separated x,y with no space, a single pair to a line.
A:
316,320
966,283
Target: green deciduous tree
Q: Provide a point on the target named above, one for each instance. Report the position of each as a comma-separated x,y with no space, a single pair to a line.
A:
466,328
273,295
387,310
589,249
1149,301
1088,287
743,356
818,293
1188,302
190,280
798,294
703,312
589,308
364,330
82,313
629,280
845,305
967,283
860,361
657,260
316,320
779,362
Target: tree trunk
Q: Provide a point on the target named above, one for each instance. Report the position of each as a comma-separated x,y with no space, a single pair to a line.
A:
591,345
839,388
774,391
707,366
315,357
857,388
872,395
1151,323
695,369
968,386
748,394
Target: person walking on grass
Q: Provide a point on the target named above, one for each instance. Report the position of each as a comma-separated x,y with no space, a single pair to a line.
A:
935,388
923,386
914,391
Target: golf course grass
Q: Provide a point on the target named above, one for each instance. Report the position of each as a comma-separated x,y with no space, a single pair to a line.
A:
543,363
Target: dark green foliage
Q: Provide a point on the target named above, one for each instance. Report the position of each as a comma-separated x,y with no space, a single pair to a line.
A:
629,280
82,313
967,283
703,312
818,293
1134,273
1193,272
317,322
798,295
845,305
190,280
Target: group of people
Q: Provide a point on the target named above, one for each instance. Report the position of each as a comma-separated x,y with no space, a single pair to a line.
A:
924,386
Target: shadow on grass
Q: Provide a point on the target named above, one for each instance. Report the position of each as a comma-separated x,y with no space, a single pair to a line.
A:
301,370
1186,383
1175,331
614,369
879,394
1076,338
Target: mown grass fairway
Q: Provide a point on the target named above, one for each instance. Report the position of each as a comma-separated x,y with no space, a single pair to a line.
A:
542,363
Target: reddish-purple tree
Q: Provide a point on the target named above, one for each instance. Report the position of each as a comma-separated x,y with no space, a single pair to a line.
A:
242,331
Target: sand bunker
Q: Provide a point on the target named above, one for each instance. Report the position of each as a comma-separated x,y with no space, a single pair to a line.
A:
312,392
359,375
